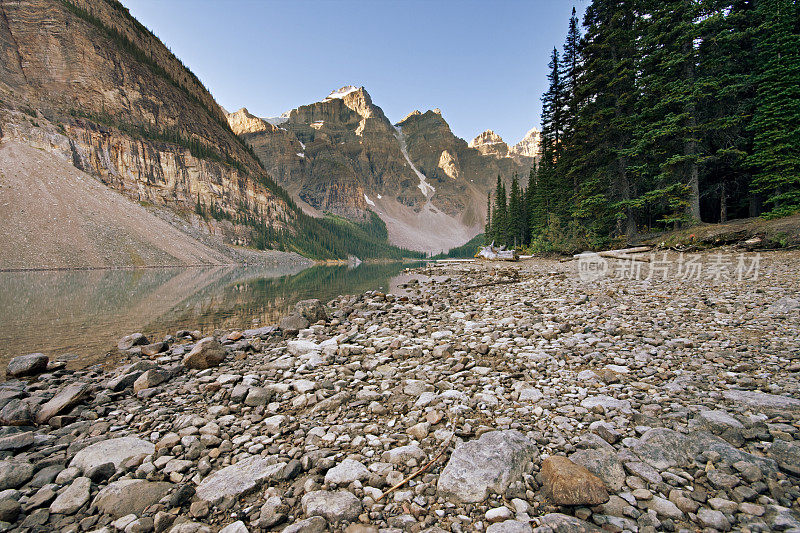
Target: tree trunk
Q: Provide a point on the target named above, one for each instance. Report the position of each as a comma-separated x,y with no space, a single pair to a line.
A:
723,205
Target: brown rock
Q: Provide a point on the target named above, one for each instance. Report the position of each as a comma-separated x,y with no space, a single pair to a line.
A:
207,353
566,483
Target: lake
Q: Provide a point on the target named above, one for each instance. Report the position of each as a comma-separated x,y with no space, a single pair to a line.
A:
79,315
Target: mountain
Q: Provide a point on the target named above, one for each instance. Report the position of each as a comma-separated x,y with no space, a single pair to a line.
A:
529,146
342,155
86,82
525,152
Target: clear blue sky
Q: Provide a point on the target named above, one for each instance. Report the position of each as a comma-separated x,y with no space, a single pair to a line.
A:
483,63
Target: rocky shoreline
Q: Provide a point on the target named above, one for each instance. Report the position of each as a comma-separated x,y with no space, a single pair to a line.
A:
489,397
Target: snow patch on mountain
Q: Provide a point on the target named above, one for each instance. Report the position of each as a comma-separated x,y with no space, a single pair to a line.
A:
426,188
341,93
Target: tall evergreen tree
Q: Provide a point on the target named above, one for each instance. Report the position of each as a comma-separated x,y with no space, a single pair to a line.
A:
776,123
605,123
726,101
500,215
666,119
516,215
570,70
553,110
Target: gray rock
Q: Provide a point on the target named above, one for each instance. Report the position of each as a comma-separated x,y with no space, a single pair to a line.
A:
784,305
235,527
336,506
509,526
9,510
763,402
293,323
191,527
311,310
787,454
207,353
607,403
603,463
241,478
315,524
715,519
27,365
562,523
664,507
66,399
73,497
129,341
14,474
130,496
115,451
16,441
258,396
488,464
17,412
151,378
402,454
700,441
123,381
346,472
663,448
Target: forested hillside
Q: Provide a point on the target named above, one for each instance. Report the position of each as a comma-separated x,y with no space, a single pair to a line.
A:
659,115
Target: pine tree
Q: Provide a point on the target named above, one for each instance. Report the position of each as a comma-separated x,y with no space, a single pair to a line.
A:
570,70
516,215
776,123
726,102
553,110
667,143
604,129
500,215
487,232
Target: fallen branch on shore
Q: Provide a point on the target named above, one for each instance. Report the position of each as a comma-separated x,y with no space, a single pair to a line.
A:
622,254
423,469
613,254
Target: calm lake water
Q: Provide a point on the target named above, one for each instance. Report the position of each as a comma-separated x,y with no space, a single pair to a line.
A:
79,315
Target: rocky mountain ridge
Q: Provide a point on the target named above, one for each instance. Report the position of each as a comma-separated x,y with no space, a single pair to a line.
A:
100,91
343,156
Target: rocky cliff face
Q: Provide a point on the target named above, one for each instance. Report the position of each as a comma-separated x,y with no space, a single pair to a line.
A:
342,155
530,146
490,143
86,81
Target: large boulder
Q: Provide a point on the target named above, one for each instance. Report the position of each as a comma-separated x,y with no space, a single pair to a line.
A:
115,451
237,479
27,365
73,498
603,463
334,506
787,454
17,412
311,310
129,341
488,464
14,474
763,402
293,322
130,496
346,472
66,399
567,483
563,523
207,353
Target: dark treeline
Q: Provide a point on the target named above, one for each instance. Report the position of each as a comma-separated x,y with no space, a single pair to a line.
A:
661,114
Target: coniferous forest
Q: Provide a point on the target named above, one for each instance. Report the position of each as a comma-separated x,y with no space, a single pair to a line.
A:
658,115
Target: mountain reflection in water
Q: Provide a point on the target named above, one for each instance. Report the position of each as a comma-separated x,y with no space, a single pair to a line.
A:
80,315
